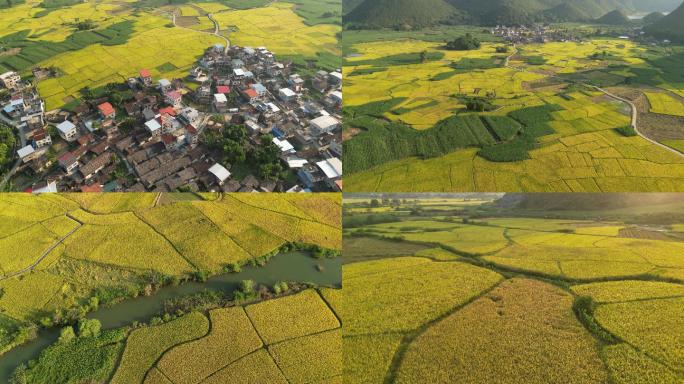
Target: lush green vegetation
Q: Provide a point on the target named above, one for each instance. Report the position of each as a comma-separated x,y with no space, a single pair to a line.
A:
33,52
464,43
84,356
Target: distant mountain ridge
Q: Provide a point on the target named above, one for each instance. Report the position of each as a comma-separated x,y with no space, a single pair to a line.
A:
585,201
416,13
670,27
397,13
616,17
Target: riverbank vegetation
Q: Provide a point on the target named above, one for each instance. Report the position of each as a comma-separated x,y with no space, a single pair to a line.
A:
204,345
75,253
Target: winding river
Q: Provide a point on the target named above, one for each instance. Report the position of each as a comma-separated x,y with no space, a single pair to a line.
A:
293,266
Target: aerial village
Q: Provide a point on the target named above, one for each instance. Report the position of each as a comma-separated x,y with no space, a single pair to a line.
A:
240,121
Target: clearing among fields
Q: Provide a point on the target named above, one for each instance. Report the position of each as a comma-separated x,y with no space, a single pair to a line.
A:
538,130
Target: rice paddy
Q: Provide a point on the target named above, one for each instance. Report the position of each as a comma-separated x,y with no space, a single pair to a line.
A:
235,346
560,300
576,148
147,39
67,250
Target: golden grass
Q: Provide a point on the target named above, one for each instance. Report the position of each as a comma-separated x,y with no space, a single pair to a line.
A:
522,331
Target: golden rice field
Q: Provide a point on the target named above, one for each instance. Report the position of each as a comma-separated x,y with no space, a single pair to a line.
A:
154,42
60,247
665,104
280,29
585,154
527,318
436,317
230,346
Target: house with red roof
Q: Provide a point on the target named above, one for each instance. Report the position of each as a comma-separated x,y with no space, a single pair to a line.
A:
250,94
146,77
107,111
223,89
168,110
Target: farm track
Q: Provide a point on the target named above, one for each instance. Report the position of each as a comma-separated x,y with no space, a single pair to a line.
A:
216,32
633,107
43,256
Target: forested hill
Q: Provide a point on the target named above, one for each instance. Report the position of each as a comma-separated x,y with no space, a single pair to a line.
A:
669,27
417,13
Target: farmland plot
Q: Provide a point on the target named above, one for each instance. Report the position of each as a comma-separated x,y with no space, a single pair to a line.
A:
576,148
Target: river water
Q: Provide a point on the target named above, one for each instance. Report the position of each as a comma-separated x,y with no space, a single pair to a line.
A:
294,266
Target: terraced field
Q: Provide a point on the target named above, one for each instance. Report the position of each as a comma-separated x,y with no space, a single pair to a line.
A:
70,251
221,346
410,129
557,301
128,36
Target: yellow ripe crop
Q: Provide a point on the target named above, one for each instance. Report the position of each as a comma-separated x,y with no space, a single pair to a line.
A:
371,303
616,291
257,367
474,345
15,301
144,346
232,337
653,326
310,359
628,366
304,313
665,104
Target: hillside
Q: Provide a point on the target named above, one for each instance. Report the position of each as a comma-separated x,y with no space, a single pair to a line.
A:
399,13
390,13
653,17
565,12
588,202
349,5
669,27
615,17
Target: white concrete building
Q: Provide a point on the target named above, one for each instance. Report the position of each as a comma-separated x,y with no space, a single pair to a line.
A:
67,130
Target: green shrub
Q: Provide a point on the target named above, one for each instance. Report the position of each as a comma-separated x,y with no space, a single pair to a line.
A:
627,131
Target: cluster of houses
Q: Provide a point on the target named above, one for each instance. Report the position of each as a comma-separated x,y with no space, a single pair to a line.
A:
536,33
25,110
249,86
152,139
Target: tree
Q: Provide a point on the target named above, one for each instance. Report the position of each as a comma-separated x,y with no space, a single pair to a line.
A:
234,151
247,286
67,334
89,328
374,203
464,43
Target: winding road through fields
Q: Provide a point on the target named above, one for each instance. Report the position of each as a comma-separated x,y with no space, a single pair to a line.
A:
635,111
217,29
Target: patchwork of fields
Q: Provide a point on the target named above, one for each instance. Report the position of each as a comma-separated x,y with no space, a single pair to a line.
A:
410,130
129,36
225,345
447,300
68,249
